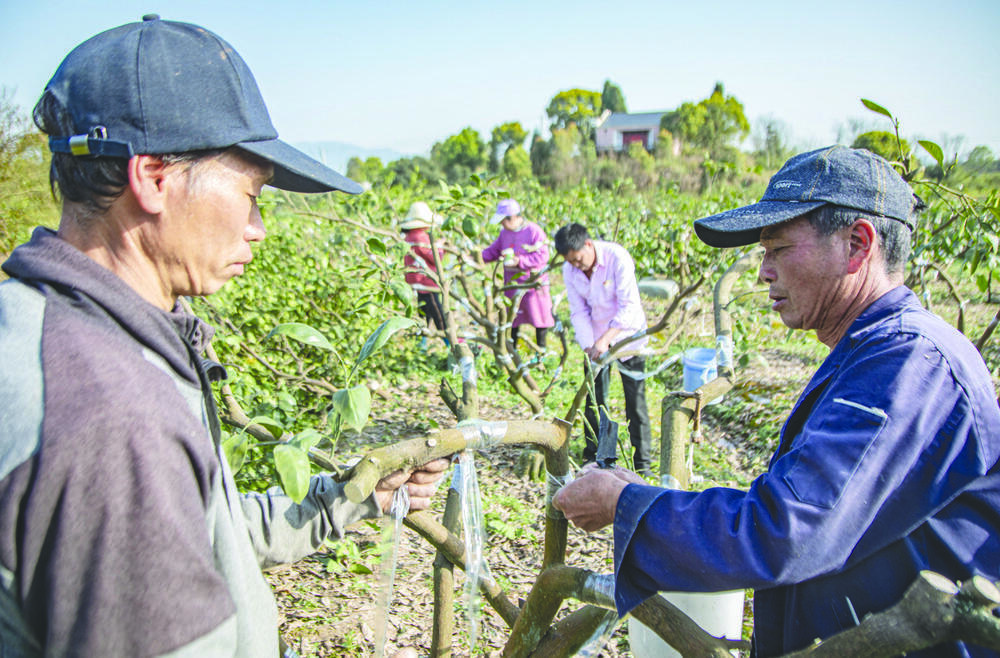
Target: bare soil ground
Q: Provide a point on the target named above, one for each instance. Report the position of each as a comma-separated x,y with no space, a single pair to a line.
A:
328,602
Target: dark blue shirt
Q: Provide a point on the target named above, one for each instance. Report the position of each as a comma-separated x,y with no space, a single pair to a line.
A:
887,465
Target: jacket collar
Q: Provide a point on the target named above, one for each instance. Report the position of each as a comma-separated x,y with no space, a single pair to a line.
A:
48,261
878,311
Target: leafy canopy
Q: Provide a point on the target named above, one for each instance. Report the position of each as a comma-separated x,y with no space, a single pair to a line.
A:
516,163
578,106
612,98
882,142
369,169
509,134
460,155
413,172
503,137
712,123
25,201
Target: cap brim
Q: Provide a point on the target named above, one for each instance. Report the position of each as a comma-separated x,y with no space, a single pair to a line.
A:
497,218
297,172
742,226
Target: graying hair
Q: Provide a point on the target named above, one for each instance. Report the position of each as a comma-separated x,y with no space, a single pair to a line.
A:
894,236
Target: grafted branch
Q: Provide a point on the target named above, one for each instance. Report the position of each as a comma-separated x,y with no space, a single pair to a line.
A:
933,611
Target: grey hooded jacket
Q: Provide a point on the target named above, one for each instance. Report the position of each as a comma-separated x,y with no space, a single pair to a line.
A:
121,530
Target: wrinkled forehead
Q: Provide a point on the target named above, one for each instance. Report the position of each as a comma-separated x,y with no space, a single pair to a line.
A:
781,230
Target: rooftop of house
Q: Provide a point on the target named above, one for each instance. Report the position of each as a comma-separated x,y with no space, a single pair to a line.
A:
626,121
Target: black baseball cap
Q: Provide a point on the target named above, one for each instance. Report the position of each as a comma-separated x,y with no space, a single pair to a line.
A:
158,87
835,175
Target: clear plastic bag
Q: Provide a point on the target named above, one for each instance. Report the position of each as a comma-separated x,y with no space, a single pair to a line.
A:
466,481
391,534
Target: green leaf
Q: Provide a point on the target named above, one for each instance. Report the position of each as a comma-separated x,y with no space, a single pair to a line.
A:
977,256
376,246
286,401
302,333
235,448
293,470
934,150
875,107
382,334
274,427
359,569
402,291
306,439
353,405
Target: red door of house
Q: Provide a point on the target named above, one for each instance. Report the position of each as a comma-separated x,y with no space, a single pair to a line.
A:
634,136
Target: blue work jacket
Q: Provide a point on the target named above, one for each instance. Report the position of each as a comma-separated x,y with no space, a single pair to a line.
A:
886,466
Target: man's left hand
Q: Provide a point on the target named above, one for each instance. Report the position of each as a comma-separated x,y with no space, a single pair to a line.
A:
602,345
420,483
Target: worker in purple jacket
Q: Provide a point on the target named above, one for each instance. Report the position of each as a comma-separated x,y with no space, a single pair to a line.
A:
888,464
522,246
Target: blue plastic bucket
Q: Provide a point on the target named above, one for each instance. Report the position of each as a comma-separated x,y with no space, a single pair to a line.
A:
699,367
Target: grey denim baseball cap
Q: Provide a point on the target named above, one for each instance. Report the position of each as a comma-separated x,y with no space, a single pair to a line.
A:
836,175
158,87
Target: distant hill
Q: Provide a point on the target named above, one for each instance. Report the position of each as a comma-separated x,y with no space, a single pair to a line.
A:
336,154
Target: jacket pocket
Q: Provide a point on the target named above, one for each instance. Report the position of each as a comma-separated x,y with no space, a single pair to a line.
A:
829,451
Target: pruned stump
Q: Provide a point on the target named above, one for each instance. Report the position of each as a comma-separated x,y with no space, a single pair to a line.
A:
530,465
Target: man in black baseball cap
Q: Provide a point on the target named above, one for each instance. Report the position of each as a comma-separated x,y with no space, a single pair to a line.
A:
123,533
888,463
836,176
160,87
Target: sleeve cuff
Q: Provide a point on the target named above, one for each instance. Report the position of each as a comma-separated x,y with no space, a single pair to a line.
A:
633,502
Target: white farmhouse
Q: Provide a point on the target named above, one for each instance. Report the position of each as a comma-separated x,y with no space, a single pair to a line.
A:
616,130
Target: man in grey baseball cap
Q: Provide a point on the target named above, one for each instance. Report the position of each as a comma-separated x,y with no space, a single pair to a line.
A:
123,531
888,463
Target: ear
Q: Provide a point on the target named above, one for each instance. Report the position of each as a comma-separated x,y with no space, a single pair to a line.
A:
861,245
146,177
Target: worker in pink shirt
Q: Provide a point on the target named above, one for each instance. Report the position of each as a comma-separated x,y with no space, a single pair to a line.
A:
605,309
522,246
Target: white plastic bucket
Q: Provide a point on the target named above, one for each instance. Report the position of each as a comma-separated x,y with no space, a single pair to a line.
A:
699,368
719,613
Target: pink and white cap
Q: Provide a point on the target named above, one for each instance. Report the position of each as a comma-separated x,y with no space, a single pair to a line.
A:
506,208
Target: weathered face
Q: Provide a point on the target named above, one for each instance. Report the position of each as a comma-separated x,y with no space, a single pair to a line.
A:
584,258
806,275
209,221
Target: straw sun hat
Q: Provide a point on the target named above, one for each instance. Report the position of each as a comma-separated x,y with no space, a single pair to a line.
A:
420,216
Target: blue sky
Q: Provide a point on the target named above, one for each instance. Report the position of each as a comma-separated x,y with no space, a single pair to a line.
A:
403,75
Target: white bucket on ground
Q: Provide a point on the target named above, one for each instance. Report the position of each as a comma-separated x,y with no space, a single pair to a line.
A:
719,613
699,368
